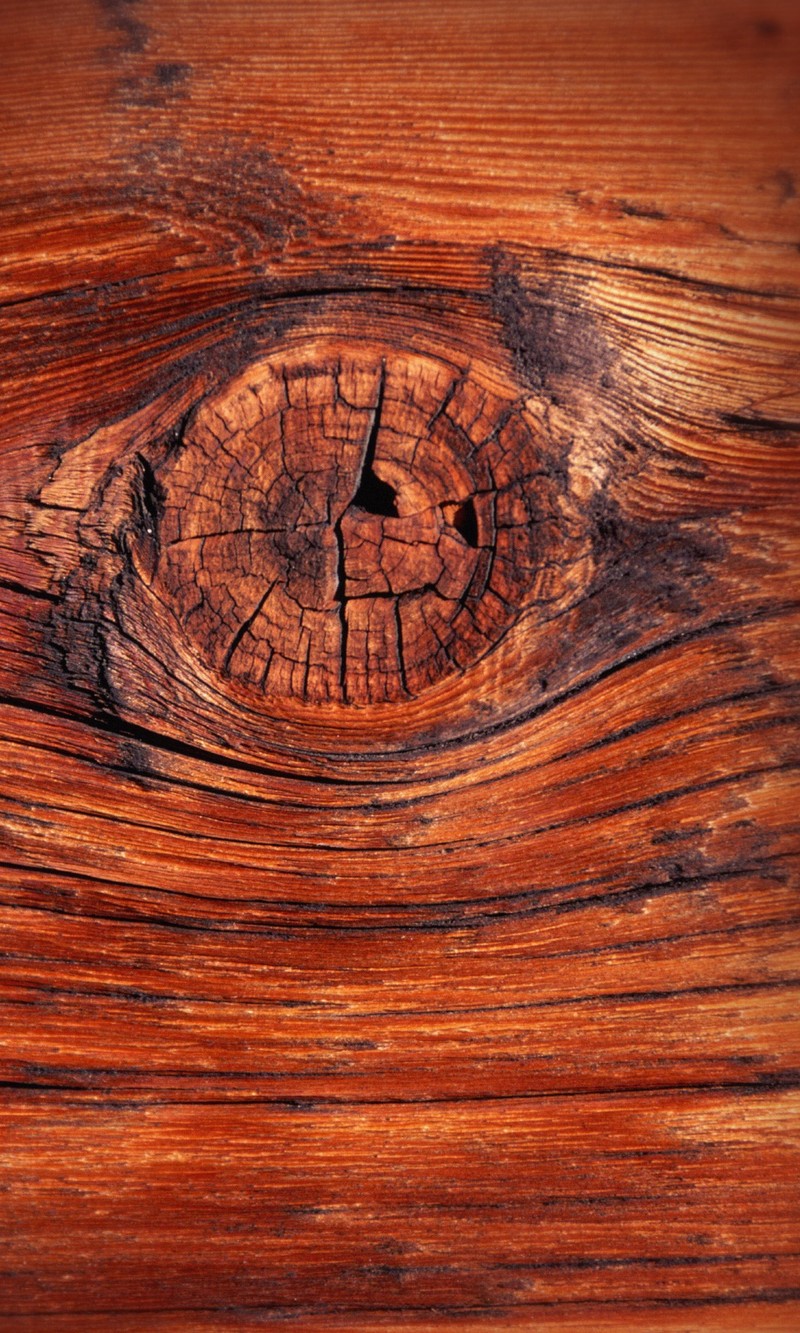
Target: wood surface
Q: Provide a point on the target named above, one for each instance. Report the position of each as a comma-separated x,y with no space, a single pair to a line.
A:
398,669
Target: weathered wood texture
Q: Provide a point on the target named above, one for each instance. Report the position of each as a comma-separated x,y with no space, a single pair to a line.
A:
398,671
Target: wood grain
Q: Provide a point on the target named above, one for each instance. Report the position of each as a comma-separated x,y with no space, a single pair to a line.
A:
398,670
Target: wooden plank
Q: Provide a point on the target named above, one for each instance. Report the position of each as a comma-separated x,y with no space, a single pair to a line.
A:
398,667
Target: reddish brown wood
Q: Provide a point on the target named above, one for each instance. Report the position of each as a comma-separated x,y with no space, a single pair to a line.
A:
398,671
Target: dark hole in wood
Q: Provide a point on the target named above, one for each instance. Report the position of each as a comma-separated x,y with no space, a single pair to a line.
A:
465,522
376,496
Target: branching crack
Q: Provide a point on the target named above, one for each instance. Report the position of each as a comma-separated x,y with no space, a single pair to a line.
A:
243,628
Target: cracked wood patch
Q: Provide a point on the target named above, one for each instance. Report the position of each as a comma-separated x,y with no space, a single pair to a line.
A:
352,523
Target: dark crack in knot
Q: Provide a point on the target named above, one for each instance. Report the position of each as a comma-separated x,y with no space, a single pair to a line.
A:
464,519
374,495
353,525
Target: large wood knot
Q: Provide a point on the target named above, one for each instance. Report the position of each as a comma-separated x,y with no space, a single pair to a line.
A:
348,522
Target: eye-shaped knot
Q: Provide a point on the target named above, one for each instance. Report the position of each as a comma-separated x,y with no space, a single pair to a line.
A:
352,524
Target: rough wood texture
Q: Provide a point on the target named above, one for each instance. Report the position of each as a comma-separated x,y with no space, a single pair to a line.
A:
398,671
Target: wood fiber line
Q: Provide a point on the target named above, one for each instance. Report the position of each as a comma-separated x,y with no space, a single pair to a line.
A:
398,666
